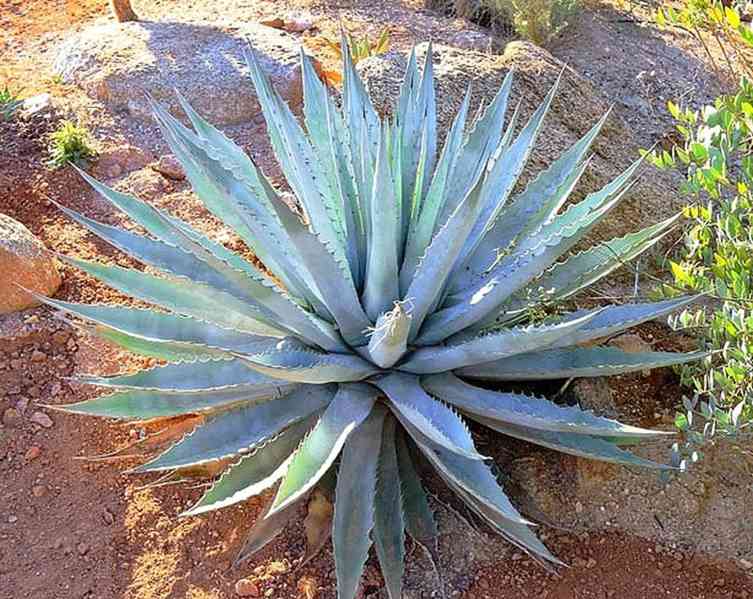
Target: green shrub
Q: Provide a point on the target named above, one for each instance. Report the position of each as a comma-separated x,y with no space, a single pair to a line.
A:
9,103
70,143
535,20
716,259
390,307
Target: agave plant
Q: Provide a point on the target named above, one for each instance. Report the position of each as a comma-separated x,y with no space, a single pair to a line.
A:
356,341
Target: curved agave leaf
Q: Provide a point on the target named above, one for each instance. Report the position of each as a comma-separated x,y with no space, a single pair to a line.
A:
584,446
183,296
293,361
349,408
354,503
615,319
238,195
139,404
534,254
148,325
433,418
419,519
503,174
478,147
488,347
240,430
302,169
381,287
531,412
254,473
221,373
575,362
579,271
421,233
538,203
425,290
472,476
170,351
389,527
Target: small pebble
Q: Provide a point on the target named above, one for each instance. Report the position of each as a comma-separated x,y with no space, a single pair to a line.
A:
38,490
12,519
32,453
11,417
246,588
41,419
82,549
38,356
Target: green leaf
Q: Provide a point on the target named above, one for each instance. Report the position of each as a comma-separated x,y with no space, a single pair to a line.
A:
292,361
239,430
531,412
350,407
254,473
583,446
438,422
574,362
389,536
221,373
419,519
354,503
139,404
486,348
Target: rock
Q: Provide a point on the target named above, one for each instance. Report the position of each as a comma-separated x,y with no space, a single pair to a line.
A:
11,417
41,419
246,588
632,343
12,519
36,105
32,453
38,356
23,261
298,22
594,394
576,107
470,39
82,549
38,490
169,167
123,159
117,63
274,22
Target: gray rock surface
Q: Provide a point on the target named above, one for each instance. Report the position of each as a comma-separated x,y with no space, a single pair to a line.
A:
118,63
24,261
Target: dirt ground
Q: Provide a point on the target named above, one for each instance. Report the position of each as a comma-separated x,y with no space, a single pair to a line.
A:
73,528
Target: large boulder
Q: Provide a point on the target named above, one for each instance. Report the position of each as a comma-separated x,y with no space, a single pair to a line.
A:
119,63
24,261
576,107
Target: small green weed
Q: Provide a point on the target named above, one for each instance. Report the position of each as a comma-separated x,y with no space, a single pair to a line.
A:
69,143
10,102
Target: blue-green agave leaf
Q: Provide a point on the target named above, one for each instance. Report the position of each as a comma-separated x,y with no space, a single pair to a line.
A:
354,503
584,446
419,519
141,404
486,348
524,410
574,362
350,406
254,473
292,361
432,417
219,373
389,527
239,430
